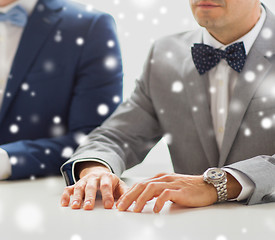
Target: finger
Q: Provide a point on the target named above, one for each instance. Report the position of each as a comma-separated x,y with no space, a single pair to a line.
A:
65,198
120,189
159,175
165,178
131,196
78,195
90,193
152,190
106,188
125,191
127,199
166,195
123,188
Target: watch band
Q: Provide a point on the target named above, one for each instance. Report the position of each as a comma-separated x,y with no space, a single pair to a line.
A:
221,191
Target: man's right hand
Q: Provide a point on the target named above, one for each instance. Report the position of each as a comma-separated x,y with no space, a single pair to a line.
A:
93,177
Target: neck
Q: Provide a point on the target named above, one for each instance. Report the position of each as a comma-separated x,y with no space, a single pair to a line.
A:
232,32
4,3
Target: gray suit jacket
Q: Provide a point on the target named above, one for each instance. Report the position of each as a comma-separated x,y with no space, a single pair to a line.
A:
154,110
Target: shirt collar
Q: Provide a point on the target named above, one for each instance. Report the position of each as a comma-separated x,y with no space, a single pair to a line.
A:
248,39
28,5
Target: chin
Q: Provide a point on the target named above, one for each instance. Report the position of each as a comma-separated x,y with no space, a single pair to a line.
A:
206,22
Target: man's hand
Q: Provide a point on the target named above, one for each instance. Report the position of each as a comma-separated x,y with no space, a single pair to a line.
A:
93,177
185,190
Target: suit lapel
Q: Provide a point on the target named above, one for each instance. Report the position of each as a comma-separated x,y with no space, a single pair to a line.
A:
244,90
198,96
39,26
246,86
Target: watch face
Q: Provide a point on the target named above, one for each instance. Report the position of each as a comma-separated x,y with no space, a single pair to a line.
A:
215,174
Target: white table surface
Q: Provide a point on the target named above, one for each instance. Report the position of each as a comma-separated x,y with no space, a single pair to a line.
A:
30,210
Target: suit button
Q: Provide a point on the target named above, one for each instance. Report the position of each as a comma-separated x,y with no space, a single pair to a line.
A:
221,130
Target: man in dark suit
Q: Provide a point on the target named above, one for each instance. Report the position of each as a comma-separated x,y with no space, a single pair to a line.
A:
60,77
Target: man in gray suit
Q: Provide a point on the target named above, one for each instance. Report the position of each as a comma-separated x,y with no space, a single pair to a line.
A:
214,96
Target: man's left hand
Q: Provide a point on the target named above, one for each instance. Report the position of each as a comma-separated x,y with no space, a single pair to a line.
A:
185,190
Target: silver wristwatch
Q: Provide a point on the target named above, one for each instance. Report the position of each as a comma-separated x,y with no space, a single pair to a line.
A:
217,177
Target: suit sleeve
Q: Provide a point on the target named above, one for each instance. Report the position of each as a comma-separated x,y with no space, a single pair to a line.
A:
127,136
97,82
261,171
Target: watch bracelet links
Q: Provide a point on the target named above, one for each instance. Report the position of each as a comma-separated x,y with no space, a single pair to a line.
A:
222,192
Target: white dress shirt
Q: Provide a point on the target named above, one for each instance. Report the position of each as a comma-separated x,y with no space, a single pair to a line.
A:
222,81
10,36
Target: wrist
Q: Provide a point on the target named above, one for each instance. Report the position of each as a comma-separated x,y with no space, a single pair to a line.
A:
234,188
211,191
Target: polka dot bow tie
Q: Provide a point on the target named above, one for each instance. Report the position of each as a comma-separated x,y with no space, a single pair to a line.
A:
206,57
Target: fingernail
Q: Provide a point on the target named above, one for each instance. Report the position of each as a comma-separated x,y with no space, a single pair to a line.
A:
63,203
156,209
120,206
136,209
75,203
87,203
108,203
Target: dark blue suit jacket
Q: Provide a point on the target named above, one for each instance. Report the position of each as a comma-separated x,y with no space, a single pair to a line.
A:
59,70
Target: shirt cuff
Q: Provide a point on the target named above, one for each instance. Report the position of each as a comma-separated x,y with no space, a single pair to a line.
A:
88,160
5,165
246,183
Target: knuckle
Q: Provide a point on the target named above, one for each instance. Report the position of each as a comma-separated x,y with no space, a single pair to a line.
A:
93,176
79,187
67,189
167,192
105,185
90,185
152,186
142,185
163,174
90,188
168,177
165,179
